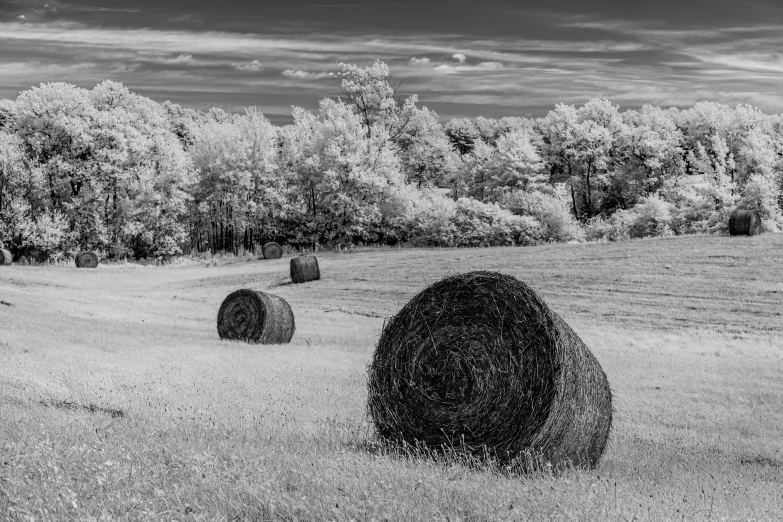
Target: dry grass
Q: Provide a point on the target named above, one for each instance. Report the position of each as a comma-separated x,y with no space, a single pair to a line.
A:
688,330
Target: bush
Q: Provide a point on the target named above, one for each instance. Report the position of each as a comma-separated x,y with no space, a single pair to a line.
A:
762,194
428,217
651,217
613,228
486,224
430,221
552,212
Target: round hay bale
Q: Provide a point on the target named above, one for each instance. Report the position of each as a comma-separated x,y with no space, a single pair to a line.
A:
478,362
272,250
744,223
255,317
5,257
304,268
86,259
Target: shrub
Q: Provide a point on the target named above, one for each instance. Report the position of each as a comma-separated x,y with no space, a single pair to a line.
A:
651,217
486,224
558,224
761,194
613,228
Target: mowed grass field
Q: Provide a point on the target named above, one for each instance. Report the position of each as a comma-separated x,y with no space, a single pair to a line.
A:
118,401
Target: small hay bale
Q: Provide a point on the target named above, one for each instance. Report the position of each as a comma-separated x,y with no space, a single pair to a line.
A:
744,223
304,268
86,259
272,250
5,257
478,362
255,317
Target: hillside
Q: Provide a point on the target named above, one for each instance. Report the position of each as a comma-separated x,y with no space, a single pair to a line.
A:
118,398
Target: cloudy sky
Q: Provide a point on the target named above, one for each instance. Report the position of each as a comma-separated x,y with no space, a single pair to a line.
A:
463,58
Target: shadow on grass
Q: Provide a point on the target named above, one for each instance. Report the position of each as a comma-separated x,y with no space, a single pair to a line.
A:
90,408
760,460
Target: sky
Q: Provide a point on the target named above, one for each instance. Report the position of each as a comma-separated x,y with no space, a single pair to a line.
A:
462,58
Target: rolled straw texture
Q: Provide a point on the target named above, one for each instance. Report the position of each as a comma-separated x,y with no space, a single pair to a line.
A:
86,259
744,223
479,362
255,317
272,250
5,257
304,269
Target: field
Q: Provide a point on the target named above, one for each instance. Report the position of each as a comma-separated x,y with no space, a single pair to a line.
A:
118,401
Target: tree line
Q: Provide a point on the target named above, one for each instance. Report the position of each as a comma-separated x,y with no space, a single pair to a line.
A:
109,170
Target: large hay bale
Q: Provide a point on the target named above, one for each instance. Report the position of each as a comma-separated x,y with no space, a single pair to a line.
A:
478,362
272,250
5,257
304,268
744,223
86,259
255,317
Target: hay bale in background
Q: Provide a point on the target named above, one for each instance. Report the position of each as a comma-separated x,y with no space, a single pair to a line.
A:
744,223
304,268
255,317
479,362
86,259
272,250
5,257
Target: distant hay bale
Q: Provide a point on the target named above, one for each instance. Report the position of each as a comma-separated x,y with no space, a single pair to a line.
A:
478,362
86,259
272,250
5,257
304,269
744,223
255,317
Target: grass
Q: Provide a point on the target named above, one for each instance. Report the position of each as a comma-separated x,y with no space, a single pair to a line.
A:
118,401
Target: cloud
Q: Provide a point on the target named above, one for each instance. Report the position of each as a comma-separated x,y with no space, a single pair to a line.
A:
632,64
481,67
47,8
255,65
756,62
305,75
182,59
419,61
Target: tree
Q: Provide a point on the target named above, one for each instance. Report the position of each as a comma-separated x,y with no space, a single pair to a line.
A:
239,196
648,153
100,151
476,170
374,96
516,164
580,143
6,112
341,175
462,133
428,158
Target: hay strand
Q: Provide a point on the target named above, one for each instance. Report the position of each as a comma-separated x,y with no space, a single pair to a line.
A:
744,223
304,268
5,257
86,259
272,250
255,317
478,361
